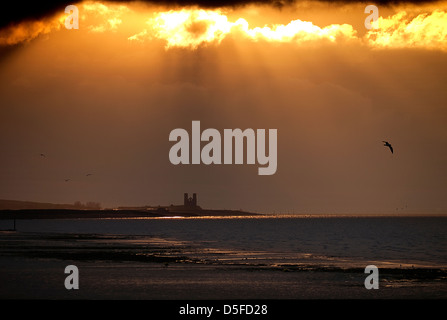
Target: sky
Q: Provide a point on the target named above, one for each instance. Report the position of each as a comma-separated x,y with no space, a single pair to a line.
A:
99,102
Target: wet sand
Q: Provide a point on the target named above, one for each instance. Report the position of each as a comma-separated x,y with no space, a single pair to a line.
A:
144,267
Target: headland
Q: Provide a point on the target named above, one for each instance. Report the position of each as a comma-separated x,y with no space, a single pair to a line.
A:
11,209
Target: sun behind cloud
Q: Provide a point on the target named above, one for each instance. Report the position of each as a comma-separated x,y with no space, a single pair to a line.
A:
190,28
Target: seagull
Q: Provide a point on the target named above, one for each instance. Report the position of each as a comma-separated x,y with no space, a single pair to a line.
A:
387,144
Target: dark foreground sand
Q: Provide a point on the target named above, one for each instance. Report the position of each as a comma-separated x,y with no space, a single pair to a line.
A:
140,267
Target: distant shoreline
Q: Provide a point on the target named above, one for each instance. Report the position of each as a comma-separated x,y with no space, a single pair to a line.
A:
31,214
28,214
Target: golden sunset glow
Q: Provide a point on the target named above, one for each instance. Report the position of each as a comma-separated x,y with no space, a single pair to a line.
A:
164,149
106,17
104,97
193,27
29,30
188,28
426,30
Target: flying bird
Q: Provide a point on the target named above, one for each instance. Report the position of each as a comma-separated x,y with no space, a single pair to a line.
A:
66,180
387,144
42,155
89,174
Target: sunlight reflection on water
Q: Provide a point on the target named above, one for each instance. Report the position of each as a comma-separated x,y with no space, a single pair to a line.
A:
281,239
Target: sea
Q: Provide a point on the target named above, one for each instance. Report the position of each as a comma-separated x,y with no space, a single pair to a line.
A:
417,241
247,257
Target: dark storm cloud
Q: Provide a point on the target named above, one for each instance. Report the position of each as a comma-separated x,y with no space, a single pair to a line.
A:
18,11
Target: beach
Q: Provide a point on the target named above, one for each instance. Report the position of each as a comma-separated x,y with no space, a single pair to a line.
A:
44,279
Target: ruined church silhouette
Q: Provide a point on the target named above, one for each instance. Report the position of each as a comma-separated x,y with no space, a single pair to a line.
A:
190,201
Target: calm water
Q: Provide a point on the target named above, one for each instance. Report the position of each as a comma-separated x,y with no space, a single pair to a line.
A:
418,241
